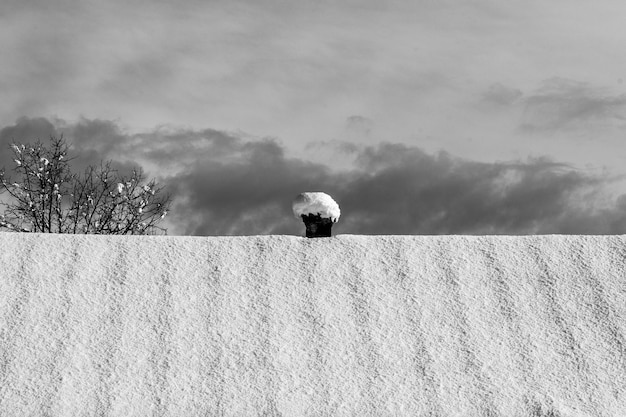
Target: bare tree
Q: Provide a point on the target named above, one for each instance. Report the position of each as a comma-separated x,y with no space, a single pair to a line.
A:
49,198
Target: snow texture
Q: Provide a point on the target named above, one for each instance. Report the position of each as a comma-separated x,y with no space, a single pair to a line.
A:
316,203
287,326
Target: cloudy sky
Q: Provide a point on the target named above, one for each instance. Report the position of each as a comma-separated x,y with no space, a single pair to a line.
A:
423,116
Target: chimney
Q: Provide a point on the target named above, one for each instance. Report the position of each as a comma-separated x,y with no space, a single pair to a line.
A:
318,211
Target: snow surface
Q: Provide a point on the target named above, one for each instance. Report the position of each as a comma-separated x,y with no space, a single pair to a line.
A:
289,326
316,203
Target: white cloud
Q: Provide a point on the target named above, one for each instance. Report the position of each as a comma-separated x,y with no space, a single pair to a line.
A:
297,70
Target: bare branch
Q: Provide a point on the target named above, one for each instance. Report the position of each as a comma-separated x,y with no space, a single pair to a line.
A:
50,198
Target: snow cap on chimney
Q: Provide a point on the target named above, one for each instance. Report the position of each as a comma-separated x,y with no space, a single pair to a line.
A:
316,203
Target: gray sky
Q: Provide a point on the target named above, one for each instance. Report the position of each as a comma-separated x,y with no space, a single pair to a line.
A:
417,116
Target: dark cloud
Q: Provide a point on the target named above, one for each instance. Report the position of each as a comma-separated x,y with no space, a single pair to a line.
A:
566,104
27,129
24,130
394,189
410,191
96,140
225,185
250,192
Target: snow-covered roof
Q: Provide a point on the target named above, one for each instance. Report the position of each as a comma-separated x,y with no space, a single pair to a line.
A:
316,203
284,325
